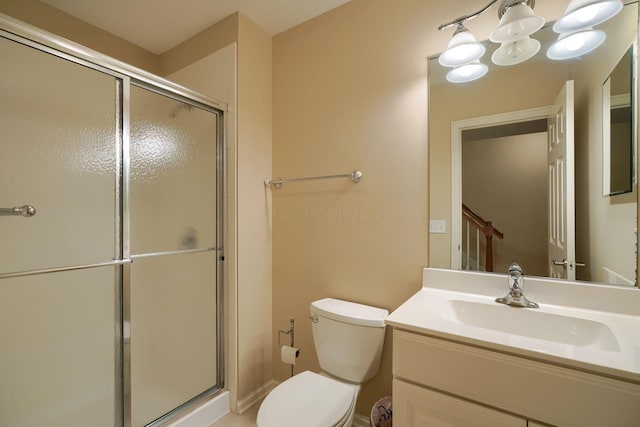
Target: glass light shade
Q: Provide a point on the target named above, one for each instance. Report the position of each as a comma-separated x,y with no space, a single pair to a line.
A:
518,22
582,14
573,45
515,52
462,49
467,73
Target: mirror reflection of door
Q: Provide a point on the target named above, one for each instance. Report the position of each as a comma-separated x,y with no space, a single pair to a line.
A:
561,180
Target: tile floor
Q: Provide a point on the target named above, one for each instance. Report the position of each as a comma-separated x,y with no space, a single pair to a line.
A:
248,419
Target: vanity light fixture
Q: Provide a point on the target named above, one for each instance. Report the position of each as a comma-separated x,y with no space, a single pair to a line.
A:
467,73
583,14
574,45
517,21
577,37
515,52
462,49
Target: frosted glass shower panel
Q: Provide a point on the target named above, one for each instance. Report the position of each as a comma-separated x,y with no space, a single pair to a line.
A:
58,148
173,332
173,174
57,363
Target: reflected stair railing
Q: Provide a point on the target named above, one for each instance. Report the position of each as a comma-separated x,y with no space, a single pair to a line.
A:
474,223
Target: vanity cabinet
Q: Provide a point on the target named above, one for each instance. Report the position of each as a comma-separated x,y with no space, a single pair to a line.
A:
415,406
442,382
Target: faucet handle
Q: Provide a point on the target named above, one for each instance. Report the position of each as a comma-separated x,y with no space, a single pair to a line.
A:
515,269
515,278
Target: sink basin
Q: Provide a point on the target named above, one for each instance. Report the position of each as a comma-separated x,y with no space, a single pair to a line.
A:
590,327
532,323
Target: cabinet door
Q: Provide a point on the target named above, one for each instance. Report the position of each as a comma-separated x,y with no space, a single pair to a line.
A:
415,406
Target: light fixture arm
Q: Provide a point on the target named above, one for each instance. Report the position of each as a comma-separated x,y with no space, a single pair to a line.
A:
506,4
463,19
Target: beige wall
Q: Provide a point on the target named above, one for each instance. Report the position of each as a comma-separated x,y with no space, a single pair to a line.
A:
57,22
254,210
350,91
202,45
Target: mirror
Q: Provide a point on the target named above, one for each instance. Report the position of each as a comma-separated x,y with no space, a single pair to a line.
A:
479,134
617,136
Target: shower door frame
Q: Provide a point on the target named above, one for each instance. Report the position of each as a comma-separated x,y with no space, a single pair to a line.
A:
126,76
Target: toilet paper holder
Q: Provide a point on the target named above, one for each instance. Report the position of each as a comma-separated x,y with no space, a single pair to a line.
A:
291,333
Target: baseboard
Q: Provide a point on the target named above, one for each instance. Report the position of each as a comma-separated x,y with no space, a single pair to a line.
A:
255,397
360,421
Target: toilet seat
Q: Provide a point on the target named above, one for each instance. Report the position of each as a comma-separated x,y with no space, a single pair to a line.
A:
307,399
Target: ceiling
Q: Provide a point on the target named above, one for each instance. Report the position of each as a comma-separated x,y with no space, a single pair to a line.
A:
159,25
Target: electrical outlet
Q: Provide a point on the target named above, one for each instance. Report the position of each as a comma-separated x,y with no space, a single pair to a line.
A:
438,226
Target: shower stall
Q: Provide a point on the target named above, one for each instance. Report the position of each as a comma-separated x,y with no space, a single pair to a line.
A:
111,225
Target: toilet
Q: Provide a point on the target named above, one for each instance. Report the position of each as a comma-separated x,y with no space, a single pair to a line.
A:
348,338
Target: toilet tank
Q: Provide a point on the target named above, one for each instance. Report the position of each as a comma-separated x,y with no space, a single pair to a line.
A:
348,338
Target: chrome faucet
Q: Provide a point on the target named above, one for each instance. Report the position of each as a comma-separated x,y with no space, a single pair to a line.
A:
516,297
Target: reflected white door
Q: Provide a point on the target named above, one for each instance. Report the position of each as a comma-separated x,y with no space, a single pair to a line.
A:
561,163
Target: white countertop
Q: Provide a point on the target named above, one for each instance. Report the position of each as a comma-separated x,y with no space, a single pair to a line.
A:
614,313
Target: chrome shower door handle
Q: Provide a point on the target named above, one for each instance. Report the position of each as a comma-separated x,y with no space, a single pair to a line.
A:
26,211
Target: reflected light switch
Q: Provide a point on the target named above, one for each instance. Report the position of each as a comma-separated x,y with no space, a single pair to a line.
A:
438,226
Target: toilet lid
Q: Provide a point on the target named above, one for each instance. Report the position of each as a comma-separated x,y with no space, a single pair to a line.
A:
307,399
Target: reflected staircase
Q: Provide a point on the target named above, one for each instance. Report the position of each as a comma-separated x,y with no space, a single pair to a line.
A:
477,241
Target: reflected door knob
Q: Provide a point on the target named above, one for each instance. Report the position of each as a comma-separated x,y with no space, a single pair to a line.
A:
564,263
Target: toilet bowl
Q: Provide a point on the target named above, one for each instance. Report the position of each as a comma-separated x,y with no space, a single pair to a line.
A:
311,400
348,338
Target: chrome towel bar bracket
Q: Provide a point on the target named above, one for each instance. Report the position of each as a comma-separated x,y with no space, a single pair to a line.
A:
355,176
26,211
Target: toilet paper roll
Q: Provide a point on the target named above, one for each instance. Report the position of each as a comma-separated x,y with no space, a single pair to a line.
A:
289,354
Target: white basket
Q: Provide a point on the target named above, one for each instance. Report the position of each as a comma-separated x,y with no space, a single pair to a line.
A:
381,413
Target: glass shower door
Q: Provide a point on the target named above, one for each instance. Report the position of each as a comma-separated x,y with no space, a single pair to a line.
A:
110,224
171,283
59,333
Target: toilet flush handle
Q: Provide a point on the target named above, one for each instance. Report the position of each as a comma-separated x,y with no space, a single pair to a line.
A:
314,318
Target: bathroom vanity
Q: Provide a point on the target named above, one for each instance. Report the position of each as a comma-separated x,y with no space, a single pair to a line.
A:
461,359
